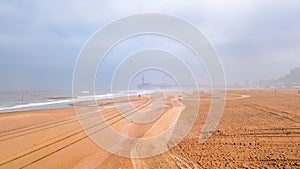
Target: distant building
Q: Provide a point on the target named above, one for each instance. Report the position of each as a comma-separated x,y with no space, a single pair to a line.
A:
148,86
152,86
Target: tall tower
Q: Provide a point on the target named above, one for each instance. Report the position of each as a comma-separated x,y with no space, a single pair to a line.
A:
143,80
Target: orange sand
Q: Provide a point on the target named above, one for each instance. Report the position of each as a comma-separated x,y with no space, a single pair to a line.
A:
261,130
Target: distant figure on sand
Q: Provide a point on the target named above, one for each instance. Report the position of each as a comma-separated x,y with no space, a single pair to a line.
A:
139,95
298,91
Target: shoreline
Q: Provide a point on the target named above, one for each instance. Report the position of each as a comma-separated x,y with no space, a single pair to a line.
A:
69,102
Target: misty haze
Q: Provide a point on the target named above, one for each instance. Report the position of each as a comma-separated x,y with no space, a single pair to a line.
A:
149,84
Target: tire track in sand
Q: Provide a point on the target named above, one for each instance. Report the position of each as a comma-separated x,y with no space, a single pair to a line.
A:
166,121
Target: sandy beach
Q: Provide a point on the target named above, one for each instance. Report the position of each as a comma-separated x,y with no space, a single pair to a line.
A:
259,129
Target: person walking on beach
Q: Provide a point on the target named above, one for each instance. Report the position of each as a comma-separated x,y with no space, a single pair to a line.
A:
298,91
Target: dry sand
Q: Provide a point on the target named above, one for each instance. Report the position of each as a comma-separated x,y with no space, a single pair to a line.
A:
259,129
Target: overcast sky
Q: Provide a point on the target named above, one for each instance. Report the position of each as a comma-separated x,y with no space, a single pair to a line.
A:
40,40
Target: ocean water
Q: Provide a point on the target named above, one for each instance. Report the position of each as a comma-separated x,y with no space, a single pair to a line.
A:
13,101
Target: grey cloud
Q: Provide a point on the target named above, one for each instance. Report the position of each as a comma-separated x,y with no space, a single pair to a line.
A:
47,35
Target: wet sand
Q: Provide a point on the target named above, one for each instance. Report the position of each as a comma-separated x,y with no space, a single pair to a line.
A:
259,129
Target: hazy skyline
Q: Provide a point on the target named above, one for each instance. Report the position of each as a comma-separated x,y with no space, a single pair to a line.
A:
41,40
